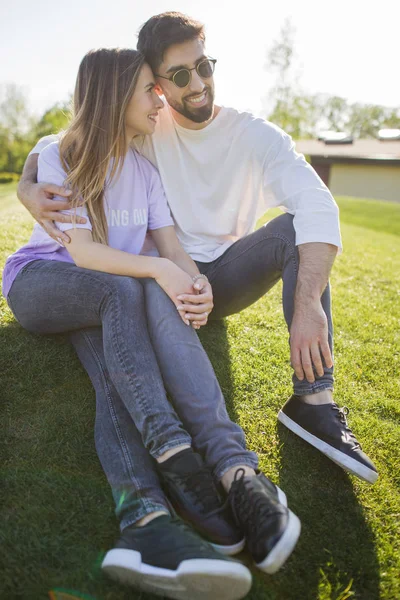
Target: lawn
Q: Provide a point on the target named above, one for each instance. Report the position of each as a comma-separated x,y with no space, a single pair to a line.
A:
56,508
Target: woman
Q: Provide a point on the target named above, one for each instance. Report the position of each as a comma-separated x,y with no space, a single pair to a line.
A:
101,278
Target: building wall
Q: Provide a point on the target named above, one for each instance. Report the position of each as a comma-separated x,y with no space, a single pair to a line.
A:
365,181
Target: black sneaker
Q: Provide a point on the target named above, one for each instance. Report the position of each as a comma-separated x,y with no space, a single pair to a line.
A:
166,557
325,427
190,488
270,528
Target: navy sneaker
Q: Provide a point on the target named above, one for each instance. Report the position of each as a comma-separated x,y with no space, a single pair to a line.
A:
166,557
270,528
190,488
325,427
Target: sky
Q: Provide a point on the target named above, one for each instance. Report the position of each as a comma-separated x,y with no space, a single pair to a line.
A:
347,48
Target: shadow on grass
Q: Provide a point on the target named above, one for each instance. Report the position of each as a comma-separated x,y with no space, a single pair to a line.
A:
337,549
57,508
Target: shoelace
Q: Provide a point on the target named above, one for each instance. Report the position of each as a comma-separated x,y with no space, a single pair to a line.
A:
342,414
202,488
249,507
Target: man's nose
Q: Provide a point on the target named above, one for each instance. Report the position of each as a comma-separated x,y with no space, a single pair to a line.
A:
196,85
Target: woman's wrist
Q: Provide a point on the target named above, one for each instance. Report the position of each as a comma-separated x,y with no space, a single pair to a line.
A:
158,266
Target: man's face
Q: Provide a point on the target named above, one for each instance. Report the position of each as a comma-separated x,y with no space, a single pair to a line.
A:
196,100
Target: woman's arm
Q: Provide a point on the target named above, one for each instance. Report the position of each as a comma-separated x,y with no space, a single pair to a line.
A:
90,255
168,246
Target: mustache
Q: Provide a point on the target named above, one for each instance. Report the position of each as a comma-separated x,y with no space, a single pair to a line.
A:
206,89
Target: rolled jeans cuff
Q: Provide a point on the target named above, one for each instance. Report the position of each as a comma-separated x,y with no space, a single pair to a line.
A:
301,388
133,517
182,441
249,459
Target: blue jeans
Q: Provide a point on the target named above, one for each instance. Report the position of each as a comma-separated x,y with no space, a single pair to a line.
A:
250,268
142,348
242,275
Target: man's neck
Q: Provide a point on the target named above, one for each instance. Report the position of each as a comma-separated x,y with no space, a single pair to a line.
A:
188,124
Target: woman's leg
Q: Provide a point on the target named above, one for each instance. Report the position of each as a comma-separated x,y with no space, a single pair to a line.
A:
193,386
54,297
129,468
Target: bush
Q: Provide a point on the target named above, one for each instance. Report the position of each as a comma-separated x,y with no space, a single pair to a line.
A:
9,177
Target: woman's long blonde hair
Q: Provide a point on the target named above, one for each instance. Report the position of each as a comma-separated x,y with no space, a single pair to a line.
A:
96,135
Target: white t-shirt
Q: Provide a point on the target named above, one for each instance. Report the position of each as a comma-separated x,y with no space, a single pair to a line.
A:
219,180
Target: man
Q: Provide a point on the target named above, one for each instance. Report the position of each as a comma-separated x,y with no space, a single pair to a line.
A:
221,170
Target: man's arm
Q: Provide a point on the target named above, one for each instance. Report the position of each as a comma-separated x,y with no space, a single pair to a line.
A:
291,183
37,199
309,328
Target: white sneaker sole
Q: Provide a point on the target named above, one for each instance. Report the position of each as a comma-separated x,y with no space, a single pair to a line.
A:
338,457
284,548
229,550
195,579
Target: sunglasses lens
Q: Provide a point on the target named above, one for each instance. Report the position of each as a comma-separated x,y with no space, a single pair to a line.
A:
181,78
205,69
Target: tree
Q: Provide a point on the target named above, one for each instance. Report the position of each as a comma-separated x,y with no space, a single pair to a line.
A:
286,104
19,130
303,115
54,120
15,128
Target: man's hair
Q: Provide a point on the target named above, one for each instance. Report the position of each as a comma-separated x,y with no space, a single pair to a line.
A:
162,31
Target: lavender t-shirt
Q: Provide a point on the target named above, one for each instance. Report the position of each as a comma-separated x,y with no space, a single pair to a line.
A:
134,204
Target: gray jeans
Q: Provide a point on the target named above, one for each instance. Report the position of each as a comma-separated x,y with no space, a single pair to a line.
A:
142,349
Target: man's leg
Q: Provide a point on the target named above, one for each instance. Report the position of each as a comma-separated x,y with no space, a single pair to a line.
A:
251,267
244,273
258,506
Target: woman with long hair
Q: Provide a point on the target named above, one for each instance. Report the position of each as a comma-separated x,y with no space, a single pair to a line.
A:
103,278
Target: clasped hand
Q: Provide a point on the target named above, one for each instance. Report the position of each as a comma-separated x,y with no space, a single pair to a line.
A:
194,301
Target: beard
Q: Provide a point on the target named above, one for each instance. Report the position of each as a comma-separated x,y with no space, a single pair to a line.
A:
197,115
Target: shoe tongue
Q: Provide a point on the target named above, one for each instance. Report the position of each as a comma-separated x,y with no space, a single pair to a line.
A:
184,462
189,462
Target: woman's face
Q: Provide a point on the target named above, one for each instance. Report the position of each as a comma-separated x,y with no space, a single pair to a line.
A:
142,111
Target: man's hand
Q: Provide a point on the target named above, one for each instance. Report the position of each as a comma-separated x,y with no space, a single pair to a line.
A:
197,306
37,198
309,341
309,328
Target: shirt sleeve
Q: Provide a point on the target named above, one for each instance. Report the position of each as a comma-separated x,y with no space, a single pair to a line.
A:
159,212
43,143
50,170
291,183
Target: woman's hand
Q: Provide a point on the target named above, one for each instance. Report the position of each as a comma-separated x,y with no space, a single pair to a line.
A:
174,281
197,305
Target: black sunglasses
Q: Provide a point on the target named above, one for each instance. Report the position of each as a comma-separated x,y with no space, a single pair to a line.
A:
183,77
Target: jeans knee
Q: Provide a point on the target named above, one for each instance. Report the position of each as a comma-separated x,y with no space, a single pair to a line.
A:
125,288
283,227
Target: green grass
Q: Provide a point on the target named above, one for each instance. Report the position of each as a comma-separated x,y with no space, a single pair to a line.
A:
56,508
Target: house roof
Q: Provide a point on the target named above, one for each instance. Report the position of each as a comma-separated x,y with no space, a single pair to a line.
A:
359,149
